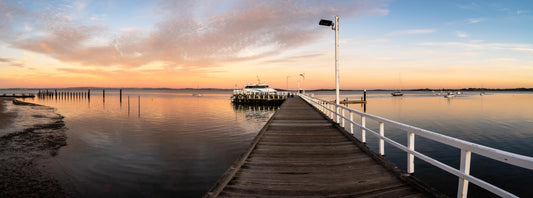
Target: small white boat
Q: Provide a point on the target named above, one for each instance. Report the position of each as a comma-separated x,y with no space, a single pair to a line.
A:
197,94
449,95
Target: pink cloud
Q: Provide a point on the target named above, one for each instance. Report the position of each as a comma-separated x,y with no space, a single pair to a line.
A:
189,34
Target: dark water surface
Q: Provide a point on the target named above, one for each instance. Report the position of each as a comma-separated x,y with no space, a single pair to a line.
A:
178,145
502,120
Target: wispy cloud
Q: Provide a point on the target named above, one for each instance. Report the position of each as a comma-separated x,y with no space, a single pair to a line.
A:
475,20
10,62
264,28
4,60
461,34
413,31
482,46
292,58
523,49
471,6
98,17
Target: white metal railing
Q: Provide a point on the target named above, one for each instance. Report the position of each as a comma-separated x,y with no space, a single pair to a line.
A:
337,113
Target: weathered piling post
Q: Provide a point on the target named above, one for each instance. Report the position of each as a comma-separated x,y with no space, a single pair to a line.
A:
364,95
103,94
120,96
55,93
88,94
128,105
139,106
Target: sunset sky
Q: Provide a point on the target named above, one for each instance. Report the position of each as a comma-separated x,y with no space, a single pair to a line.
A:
223,43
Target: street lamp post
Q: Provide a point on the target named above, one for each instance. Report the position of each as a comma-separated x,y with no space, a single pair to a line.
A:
303,82
288,83
335,27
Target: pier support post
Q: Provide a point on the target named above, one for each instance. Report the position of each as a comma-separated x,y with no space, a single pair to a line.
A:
121,96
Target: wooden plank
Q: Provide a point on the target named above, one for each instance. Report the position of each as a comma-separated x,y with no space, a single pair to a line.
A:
301,153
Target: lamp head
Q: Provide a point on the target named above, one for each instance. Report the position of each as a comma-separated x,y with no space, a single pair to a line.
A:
325,22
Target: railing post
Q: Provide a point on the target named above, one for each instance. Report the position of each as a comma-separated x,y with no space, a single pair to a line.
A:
381,141
351,122
410,157
337,114
331,111
363,131
343,119
466,157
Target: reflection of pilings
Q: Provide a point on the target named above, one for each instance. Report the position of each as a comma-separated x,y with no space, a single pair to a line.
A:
139,106
128,105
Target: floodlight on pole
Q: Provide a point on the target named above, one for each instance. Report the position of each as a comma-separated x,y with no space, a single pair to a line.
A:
303,82
335,27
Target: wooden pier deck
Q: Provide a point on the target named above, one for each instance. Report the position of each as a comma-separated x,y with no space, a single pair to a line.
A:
300,153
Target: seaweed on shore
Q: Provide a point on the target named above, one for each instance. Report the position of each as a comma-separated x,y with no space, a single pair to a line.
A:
21,173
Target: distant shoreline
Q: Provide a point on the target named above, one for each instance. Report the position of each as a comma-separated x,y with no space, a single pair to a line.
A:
279,89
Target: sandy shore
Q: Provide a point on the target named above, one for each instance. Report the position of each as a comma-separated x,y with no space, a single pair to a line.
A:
22,173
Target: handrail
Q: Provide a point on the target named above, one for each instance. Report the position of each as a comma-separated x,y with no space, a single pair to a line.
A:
333,110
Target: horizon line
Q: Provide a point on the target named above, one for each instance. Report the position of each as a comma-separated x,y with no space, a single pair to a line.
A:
320,89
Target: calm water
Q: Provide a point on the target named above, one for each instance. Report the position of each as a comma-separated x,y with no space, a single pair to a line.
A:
500,120
179,145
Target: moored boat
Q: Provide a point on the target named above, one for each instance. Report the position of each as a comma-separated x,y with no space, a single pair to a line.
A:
257,94
397,93
450,95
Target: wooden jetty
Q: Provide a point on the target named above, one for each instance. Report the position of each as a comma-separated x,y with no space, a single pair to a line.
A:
18,95
347,101
301,153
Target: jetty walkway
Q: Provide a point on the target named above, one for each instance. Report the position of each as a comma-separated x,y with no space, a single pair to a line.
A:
301,153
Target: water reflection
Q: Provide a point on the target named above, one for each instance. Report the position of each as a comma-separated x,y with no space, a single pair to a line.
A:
255,111
179,146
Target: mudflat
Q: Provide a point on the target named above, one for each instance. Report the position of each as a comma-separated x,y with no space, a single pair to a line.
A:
5,118
22,173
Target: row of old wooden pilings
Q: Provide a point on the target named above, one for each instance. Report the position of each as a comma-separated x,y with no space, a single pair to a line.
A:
69,94
46,94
